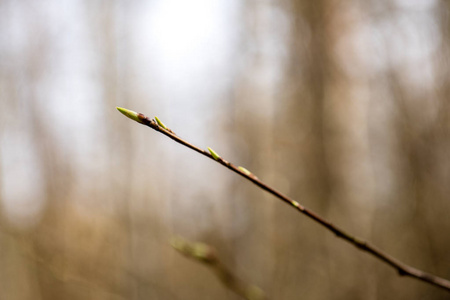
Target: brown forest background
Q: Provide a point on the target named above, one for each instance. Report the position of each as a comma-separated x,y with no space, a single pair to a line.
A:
342,105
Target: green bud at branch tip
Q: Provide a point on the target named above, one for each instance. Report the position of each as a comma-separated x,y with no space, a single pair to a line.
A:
214,154
130,114
160,123
245,171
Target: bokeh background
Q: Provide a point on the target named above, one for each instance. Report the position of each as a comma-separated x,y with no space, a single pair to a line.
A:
343,105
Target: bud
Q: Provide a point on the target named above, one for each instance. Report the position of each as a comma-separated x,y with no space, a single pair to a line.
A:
199,251
161,123
245,171
214,154
130,114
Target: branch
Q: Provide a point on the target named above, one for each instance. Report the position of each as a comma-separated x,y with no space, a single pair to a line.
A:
207,255
402,268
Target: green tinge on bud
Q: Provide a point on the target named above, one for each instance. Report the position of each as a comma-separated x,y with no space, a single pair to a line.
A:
214,154
178,243
255,293
130,114
246,172
160,123
199,251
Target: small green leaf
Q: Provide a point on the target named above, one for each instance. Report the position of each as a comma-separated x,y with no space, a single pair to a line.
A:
246,172
160,123
214,154
130,114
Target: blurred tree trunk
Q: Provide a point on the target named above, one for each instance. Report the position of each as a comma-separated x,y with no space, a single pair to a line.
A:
300,139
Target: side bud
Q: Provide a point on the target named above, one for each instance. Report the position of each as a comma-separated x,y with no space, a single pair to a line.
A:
214,154
161,123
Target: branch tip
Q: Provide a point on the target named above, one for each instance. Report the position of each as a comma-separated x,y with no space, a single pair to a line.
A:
130,114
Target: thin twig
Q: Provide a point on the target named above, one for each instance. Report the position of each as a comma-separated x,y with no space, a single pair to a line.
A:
208,255
402,268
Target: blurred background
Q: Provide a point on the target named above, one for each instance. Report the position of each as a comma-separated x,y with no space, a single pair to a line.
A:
342,105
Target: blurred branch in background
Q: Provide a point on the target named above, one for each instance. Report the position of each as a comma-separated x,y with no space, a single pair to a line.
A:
208,255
